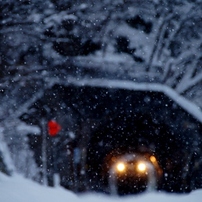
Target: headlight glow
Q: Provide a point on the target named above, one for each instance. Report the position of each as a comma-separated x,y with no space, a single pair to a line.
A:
152,159
120,167
141,167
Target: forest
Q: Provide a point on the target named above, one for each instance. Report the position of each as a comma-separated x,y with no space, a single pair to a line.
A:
52,51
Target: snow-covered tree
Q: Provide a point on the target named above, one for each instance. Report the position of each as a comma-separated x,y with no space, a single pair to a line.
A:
47,42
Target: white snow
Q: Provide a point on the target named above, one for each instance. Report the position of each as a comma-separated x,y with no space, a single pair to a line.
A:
23,128
4,150
18,189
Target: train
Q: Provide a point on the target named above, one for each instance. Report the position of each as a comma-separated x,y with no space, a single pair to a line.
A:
131,172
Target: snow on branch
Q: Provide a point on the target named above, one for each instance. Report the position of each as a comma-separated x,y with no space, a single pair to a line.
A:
6,154
23,108
187,105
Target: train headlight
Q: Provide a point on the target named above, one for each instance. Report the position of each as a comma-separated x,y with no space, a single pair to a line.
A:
141,167
120,167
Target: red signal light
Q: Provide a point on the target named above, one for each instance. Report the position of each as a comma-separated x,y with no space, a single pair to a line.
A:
53,128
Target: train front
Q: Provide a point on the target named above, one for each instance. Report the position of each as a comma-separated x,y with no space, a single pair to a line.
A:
132,173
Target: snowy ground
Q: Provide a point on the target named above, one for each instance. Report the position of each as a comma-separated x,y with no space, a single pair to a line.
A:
18,189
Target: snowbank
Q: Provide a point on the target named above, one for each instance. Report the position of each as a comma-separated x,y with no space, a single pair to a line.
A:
18,189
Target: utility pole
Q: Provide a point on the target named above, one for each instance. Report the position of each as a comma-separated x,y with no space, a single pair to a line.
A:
44,151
